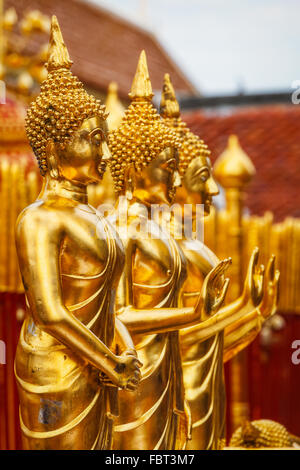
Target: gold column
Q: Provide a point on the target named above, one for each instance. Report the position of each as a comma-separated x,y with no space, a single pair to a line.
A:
1,41
4,209
234,170
114,107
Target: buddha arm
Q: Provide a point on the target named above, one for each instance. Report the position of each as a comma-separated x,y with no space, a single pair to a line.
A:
241,321
123,338
159,320
241,333
186,319
148,321
38,239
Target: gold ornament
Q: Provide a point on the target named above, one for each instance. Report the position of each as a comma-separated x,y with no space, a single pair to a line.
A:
192,146
141,136
263,433
62,105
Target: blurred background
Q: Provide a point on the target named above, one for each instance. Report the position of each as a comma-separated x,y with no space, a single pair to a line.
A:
234,66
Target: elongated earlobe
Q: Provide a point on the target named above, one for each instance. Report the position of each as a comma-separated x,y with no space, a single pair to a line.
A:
52,160
130,182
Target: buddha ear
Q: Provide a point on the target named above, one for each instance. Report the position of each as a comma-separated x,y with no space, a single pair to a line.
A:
51,156
130,181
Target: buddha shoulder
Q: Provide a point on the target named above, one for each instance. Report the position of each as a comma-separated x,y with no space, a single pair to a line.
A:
63,219
198,255
37,217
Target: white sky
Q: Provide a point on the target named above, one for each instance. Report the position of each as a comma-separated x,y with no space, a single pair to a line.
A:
223,45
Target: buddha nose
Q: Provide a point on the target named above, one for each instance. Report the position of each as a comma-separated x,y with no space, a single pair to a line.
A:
177,179
212,187
106,155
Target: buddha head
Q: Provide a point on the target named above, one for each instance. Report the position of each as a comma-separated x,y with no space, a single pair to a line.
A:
198,185
144,151
65,126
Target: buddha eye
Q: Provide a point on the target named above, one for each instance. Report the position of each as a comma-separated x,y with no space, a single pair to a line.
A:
204,176
97,137
170,165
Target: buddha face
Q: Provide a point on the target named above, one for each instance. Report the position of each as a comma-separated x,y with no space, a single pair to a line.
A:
84,158
157,182
198,185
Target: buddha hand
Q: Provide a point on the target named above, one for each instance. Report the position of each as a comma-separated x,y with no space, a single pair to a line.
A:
127,372
214,289
268,305
253,286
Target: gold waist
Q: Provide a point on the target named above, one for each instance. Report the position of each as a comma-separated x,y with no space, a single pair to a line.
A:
145,416
63,429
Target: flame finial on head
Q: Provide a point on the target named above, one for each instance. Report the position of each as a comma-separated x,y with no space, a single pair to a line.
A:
169,106
62,105
191,145
142,135
58,55
141,86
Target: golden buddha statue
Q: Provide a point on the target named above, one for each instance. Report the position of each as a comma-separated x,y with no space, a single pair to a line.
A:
71,260
203,357
144,167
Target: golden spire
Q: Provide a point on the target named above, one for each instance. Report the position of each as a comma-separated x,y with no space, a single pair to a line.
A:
169,106
233,168
58,55
191,145
62,104
142,135
114,107
141,86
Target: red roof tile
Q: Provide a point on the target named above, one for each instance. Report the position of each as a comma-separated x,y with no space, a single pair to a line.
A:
271,138
105,47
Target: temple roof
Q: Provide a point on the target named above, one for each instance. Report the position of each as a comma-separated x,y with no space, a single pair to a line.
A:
270,135
105,47
12,115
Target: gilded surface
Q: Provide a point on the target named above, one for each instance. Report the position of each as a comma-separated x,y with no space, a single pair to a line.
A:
70,260
76,361
203,359
153,417
157,417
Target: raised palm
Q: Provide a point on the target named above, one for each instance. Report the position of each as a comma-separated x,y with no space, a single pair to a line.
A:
269,302
253,286
214,289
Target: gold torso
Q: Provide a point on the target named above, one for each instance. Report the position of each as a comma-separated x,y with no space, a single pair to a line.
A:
202,360
47,371
84,275
154,417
